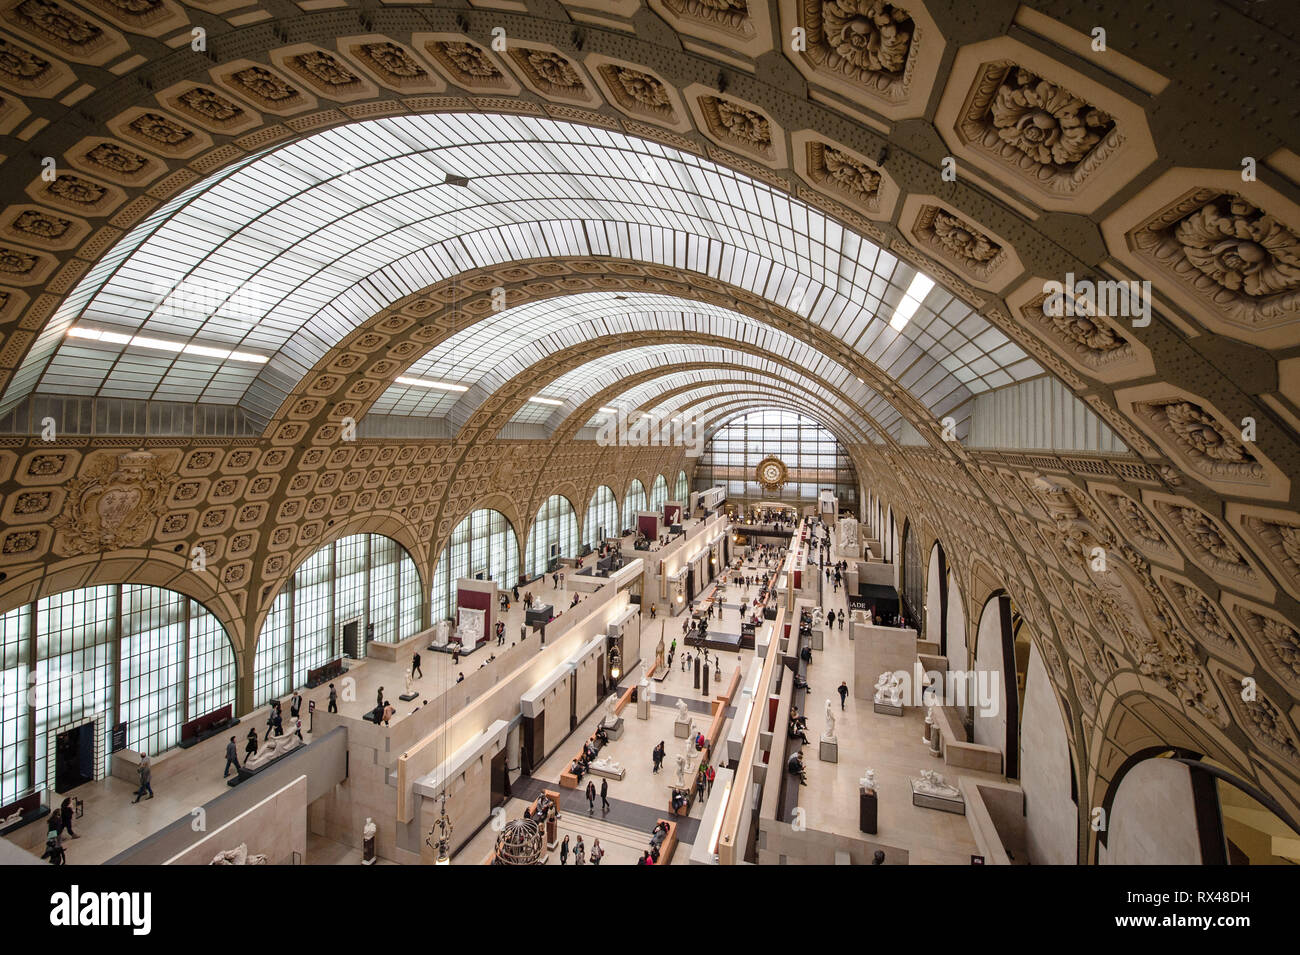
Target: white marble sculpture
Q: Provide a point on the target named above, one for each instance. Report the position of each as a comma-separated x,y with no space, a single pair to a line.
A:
604,766
868,780
12,817
933,784
409,680
829,735
610,716
889,690
681,770
238,856
644,679
441,633
659,655
273,748
683,711
472,626
369,830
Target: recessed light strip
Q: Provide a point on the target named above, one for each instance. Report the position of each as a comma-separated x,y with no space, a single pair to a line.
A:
426,383
545,401
159,344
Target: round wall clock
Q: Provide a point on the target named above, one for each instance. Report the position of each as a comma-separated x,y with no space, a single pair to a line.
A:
771,473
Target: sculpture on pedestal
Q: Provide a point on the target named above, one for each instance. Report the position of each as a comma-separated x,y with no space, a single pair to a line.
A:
659,655
829,735
272,748
681,770
644,680
368,833
409,680
441,633
683,711
238,856
868,780
610,716
933,784
889,689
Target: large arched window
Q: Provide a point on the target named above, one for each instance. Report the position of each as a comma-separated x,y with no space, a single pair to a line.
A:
483,544
602,517
366,578
633,502
658,494
556,526
122,653
683,489
813,457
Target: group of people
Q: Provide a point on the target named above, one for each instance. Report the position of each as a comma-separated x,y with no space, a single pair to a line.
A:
60,821
580,852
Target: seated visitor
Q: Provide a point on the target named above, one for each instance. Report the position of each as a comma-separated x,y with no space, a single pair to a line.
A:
658,833
796,732
796,767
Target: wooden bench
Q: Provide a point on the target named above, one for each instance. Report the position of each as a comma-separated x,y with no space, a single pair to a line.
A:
669,845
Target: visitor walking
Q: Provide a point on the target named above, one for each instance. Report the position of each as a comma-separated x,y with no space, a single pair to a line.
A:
334,700
597,853
579,852
295,704
604,796
415,668
591,798
844,692
146,775
232,756
66,813
250,747
564,851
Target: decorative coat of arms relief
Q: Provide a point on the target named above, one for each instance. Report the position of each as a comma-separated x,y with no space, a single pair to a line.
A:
114,503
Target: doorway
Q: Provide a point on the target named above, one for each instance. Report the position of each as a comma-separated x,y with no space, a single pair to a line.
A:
500,786
351,631
74,757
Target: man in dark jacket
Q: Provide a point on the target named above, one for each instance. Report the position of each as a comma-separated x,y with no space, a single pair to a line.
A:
232,758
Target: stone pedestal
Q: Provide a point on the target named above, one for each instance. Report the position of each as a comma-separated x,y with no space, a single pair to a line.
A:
368,851
888,709
936,741
867,810
408,697
818,639
829,750
613,730
682,730
643,705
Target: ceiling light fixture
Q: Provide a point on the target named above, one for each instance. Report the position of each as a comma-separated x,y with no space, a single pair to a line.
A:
912,298
425,383
545,401
159,344
608,410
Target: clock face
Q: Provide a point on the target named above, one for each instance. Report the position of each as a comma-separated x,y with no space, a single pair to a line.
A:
771,473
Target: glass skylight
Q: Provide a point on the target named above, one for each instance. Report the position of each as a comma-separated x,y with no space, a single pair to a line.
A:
287,253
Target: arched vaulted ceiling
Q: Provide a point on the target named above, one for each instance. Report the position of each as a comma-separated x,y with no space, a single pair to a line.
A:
278,258
685,150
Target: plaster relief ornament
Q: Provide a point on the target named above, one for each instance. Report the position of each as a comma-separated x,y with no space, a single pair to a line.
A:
470,60
114,503
1241,248
1046,122
643,88
210,104
554,68
963,241
743,123
865,36
393,59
